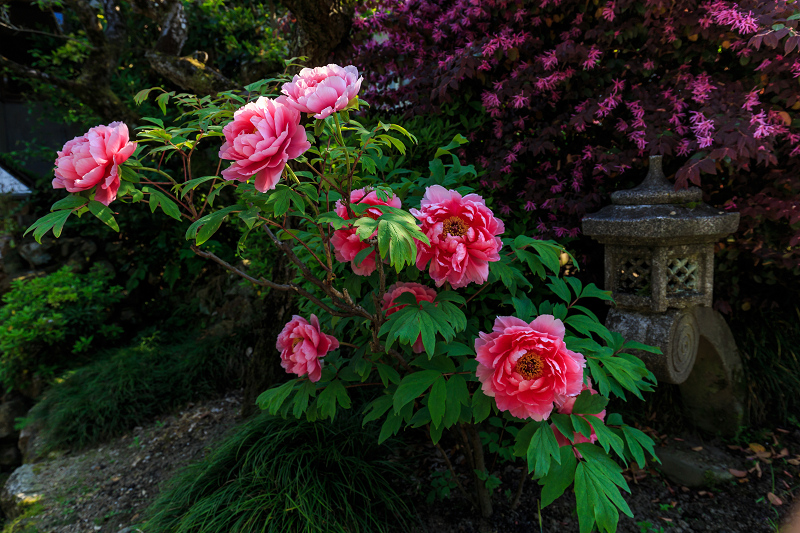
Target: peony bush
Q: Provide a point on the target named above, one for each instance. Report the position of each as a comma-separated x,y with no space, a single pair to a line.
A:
369,241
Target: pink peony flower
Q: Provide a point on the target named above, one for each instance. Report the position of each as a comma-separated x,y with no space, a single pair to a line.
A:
262,137
527,367
94,159
303,345
566,409
346,243
464,237
421,292
323,90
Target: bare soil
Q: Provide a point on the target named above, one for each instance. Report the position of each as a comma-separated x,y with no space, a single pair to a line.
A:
106,489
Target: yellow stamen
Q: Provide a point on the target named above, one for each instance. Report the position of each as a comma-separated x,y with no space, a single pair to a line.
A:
530,366
454,226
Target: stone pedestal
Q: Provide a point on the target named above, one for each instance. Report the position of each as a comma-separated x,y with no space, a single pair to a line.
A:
660,266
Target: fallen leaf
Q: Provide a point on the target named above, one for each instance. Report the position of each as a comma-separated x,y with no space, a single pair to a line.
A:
734,447
793,462
745,480
774,500
702,493
782,430
737,473
784,453
677,439
685,489
757,448
665,519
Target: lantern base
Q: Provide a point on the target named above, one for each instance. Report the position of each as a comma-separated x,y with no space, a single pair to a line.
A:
699,354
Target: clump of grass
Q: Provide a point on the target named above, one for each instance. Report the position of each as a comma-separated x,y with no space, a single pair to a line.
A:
769,342
275,475
126,387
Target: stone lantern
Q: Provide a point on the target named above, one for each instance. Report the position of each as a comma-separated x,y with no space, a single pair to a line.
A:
659,265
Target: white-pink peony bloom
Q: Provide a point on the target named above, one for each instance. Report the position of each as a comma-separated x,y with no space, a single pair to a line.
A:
322,91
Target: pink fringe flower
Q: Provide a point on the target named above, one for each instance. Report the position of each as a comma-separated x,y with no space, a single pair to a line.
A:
420,292
527,367
322,91
94,159
262,137
346,243
303,345
463,236
566,409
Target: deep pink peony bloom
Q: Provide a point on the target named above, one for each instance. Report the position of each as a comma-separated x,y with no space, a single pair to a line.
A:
323,90
527,367
566,409
421,292
94,159
303,345
463,234
262,137
346,243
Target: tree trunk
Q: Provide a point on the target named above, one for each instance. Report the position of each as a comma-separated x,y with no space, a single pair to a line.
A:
481,492
264,369
322,26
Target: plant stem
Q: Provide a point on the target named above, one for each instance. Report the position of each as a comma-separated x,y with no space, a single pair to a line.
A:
482,493
518,495
464,493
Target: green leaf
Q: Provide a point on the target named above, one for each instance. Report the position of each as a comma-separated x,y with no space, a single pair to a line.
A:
376,409
193,184
457,395
272,399
634,345
559,288
69,202
589,404
53,221
592,291
104,214
607,437
332,394
250,217
387,374
524,308
542,447
202,230
436,401
481,406
560,476
412,386
390,427
157,198
162,100
564,425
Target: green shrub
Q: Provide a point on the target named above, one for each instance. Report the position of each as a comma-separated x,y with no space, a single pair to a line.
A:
769,342
275,475
47,320
126,387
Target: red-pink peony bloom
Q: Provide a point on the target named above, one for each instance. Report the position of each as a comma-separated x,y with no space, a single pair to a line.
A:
464,237
566,409
422,294
527,367
262,137
323,90
303,345
346,243
94,159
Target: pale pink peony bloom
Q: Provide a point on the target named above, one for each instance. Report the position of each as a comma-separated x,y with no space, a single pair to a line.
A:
303,345
420,292
322,91
346,243
464,237
262,137
566,409
527,367
94,159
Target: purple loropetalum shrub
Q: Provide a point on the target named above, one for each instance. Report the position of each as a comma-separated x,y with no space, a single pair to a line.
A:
580,93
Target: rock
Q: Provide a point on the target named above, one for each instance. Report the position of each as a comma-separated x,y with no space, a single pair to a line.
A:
22,489
9,412
29,444
35,253
704,468
10,456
